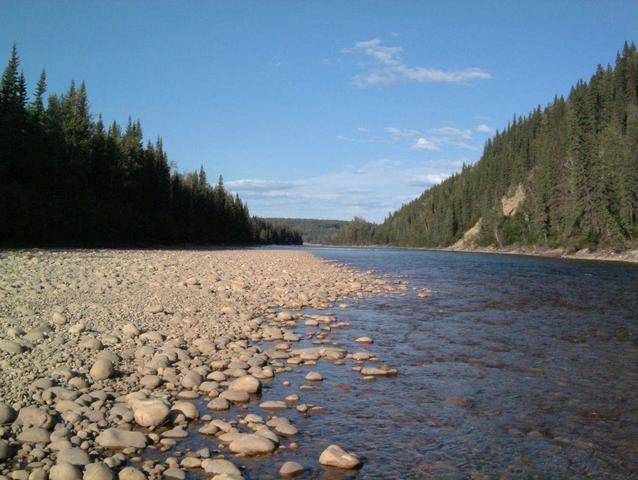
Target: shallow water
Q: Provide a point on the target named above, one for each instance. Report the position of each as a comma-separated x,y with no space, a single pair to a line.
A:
513,367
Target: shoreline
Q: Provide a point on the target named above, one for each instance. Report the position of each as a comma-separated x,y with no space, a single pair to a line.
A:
628,256
109,354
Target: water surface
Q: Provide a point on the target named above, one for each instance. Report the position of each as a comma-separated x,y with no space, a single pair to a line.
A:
513,367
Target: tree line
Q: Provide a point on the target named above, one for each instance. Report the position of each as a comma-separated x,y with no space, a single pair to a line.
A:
576,162
66,178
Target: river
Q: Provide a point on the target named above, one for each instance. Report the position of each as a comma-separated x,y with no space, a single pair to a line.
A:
512,367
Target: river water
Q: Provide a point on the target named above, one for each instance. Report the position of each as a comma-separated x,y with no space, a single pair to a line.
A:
513,367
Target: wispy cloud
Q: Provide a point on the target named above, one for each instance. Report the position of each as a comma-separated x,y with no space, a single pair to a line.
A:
424,144
372,190
385,66
482,128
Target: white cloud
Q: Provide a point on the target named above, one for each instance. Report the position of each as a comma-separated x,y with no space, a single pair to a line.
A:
428,179
482,128
371,190
424,144
363,130
386,67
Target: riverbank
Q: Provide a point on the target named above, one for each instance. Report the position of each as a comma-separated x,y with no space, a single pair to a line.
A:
108,354
628,256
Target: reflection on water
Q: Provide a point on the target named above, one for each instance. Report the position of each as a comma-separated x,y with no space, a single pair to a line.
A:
513,367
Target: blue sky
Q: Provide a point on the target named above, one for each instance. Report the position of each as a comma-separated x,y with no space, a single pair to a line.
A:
318,109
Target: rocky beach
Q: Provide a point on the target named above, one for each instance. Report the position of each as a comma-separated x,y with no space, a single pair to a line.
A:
107,355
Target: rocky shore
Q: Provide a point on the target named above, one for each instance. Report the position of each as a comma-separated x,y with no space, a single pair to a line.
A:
109,354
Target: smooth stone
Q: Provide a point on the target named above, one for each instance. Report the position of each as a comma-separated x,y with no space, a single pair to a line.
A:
34,435
174,474
74,456
150,412
273,405
290,469
218,404
251,444
98,471
131,473
177,432
220,465
115,438
5,450
101,370
10,347
64,471
7,413
373,371
364,340
335,456
314,377
188,409
247,383
235,397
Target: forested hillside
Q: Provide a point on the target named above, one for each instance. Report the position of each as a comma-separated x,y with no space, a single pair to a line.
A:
564,176
66,178
313,231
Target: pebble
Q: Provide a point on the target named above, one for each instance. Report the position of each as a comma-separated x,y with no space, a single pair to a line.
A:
290,469
7,413
314,377
251,444
131,473
64,471
98,471
74,456
101,370
150,412
114,438
246,383
364,340
273,405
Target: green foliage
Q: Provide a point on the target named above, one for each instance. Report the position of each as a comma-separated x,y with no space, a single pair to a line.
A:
65,179
576,160
313,231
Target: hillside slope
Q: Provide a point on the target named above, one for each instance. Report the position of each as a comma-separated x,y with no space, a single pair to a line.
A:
313,231
565,176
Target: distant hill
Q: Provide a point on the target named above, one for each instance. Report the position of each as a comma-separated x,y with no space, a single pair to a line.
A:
565,176
313,231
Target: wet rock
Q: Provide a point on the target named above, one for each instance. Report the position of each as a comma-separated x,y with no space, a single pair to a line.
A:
273,405
252,444
115,438
373,371
364,340
335,456
314,377
290,469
